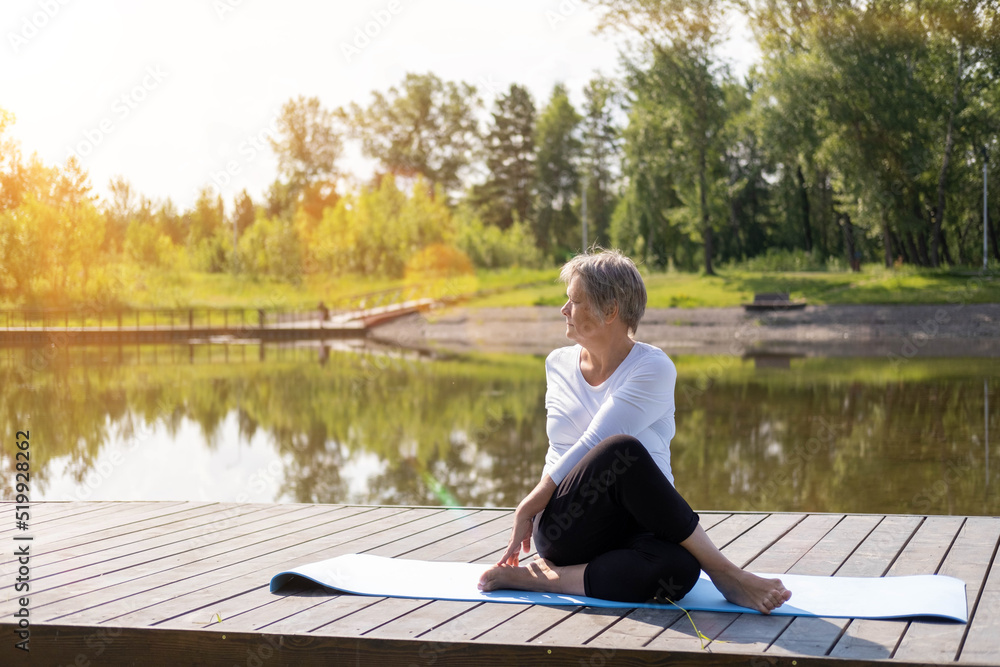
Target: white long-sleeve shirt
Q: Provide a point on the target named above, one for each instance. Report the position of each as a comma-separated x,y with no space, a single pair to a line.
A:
637,400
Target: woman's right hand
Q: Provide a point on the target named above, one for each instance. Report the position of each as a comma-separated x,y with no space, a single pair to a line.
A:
520,534
520,539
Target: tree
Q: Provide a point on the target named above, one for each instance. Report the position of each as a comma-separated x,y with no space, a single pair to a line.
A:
599,152
207,240
308,145
426,127
119,211
558,146
509,149
641,223
678,42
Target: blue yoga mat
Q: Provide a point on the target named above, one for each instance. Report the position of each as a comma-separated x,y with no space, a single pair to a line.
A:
833,597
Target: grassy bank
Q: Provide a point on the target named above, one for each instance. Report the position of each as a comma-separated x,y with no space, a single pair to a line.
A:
531,287
873,285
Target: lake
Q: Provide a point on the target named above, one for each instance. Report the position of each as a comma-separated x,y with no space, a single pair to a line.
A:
249,423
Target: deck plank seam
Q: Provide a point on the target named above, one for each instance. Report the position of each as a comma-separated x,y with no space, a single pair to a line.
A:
843,630
532,638
264,555
410,536
166,556
299,611
449,619
944,557
291,589
805,553
888,567
979,597
374,602
125,544
454,535
197,574
188,611
746,530
770,544
394,618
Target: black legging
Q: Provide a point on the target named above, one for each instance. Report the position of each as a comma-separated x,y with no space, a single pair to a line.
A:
618,513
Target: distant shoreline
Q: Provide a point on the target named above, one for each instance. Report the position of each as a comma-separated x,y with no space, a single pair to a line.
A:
904,331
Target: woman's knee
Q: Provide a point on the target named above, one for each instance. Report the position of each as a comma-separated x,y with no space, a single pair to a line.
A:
619,453
679,579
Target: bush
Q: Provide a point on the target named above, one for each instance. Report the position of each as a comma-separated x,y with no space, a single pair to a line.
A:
490,247
779,259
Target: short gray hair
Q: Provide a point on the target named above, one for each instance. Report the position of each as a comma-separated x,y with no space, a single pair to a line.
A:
608,277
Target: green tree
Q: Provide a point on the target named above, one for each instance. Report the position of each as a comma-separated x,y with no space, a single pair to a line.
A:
509,151
600,152
208,244
308,145
641,223
557,227
678,45
426,127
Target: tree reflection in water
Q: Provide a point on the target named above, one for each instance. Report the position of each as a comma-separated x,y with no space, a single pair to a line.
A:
383,427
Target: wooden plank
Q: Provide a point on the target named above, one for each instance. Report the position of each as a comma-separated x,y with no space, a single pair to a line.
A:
63,644
583,626
527,625
473,623
423,619
491,524
252,609
760,538
424,522
313,616
754,633
982,640
70,524
43,512
147,573
232,603
117,538
732,527
869,639
173,593
82,574
637,628
369,617
969,560
445,532
881,543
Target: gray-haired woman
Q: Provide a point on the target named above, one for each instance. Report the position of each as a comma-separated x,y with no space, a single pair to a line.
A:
605,517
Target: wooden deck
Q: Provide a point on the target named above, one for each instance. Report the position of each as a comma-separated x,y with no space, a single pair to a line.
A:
187,583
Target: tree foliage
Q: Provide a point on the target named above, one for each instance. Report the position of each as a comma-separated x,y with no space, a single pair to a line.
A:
425,127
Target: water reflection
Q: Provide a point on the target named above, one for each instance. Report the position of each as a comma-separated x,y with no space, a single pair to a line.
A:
310,424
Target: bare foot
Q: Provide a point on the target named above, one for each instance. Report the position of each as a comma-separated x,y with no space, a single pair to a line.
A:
538,575
748,590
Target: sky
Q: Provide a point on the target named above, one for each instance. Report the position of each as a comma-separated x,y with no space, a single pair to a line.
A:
179,95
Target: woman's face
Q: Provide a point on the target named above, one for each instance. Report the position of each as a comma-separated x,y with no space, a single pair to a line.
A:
582,321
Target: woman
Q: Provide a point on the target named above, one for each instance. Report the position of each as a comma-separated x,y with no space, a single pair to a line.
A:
606,519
